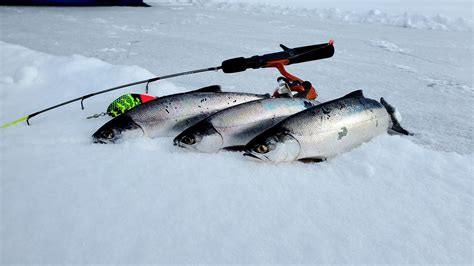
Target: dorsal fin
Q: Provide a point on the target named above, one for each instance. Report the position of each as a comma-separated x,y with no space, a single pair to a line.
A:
212,88
355,94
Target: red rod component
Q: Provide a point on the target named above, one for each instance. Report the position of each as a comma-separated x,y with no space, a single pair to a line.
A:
280,65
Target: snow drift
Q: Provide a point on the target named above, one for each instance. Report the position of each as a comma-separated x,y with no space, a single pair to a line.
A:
372,16
66,200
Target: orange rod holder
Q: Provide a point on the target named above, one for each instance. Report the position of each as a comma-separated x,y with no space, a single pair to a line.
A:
280,65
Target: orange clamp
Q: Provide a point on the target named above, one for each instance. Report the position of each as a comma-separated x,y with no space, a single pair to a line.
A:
280,65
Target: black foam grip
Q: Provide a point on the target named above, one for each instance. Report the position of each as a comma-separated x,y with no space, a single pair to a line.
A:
234,65
294,55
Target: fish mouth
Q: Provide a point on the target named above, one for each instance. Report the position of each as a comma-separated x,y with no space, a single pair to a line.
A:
204,139
100,141
184,140
253,156
179,143
115,129
277,147
103,137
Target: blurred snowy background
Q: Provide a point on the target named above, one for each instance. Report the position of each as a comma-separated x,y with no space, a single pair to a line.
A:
393,200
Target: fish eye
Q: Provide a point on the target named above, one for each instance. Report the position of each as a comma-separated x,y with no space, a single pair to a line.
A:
188,140
108,134
261,148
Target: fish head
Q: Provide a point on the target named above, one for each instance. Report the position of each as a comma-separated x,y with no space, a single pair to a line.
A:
202,137
275,146
116,129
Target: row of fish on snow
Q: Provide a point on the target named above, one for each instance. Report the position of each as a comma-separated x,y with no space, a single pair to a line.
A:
265,128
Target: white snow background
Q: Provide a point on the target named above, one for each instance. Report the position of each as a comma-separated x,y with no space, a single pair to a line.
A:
392,200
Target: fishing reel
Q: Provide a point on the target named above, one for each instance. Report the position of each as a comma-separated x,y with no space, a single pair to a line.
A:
292,89
292,86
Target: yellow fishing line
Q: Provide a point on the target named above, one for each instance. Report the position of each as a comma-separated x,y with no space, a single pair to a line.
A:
14,122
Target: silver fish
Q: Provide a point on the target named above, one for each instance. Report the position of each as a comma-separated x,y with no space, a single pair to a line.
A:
325,130
169,115
237,125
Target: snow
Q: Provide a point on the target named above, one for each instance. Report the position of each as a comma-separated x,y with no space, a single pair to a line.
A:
371,16
450,8
392,200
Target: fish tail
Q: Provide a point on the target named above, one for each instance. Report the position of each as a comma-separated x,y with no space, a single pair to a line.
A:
395,127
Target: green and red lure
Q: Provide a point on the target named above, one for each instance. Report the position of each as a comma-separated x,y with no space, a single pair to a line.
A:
124,103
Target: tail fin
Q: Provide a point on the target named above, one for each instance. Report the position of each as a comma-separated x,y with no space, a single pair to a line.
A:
395,128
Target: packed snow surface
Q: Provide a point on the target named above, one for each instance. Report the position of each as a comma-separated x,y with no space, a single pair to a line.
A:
458,19
450,8
67,200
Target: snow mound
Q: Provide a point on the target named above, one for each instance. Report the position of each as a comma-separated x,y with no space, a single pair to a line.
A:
31,80
66,200
389,46
373,16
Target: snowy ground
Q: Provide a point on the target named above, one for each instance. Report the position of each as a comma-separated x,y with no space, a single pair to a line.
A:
393,200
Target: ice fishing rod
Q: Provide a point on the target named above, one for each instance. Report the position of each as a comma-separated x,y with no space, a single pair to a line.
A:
286,57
